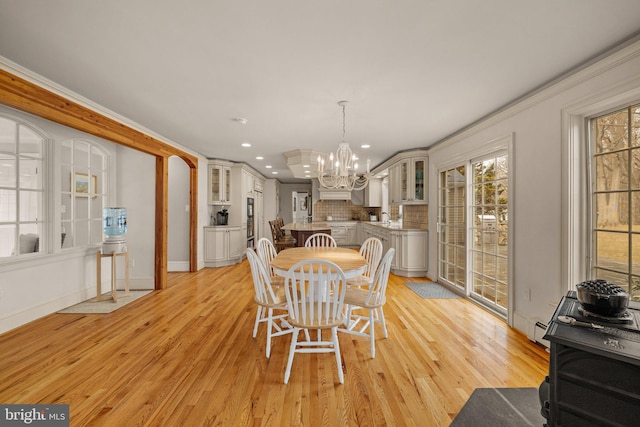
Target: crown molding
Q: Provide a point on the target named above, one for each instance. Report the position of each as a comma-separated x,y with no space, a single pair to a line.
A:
593,68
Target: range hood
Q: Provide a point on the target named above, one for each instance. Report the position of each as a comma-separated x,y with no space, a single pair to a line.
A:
334,194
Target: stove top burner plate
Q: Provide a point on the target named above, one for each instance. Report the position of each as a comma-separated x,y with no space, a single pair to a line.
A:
624,318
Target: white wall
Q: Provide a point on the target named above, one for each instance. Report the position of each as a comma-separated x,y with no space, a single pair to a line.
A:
178,245
286,190
538,165
136,191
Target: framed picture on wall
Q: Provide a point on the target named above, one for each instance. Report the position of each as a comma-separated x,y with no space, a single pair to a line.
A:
80,183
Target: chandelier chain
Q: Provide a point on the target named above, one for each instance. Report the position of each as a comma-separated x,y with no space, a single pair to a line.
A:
344,120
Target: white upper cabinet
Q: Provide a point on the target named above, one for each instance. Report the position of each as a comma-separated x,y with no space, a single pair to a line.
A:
219,184
408,181
373,193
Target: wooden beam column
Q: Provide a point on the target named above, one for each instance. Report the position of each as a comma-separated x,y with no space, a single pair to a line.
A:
21,94
193,219
162,221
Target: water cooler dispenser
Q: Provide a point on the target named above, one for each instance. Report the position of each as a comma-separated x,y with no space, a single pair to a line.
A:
115,229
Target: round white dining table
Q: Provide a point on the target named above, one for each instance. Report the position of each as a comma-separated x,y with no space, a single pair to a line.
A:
350,261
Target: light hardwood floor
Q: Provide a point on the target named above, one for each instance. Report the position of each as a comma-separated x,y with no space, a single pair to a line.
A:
184,356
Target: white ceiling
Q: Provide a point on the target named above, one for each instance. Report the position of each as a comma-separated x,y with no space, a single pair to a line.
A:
413,71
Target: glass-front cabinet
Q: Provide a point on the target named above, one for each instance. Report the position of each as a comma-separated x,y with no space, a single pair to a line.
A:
219,184
408,181
419,168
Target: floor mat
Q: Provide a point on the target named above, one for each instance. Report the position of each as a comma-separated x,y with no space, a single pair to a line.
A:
430,290
504,407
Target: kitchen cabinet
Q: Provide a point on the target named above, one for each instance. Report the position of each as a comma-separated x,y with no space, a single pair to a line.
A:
411,253
411,248
219,183
251,184
344,233
352,238
408,181
223,245
373,193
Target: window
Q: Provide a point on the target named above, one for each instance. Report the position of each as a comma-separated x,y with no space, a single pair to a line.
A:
22,209
615,198
84,177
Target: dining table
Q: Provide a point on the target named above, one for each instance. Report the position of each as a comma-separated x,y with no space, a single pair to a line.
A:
350,261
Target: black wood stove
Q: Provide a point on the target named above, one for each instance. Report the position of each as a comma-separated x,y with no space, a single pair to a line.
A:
594,367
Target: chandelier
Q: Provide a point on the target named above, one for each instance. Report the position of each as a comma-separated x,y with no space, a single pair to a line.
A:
340,170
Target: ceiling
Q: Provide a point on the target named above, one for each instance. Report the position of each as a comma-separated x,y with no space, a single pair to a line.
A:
413,71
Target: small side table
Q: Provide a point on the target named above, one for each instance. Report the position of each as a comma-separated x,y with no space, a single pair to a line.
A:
99,256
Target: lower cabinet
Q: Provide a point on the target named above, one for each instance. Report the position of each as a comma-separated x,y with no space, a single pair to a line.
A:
411,253
223,245
411,248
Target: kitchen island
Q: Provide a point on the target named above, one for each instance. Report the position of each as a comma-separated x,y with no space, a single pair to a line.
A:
301,232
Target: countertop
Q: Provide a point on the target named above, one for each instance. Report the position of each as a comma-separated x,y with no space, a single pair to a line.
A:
309,226
336,223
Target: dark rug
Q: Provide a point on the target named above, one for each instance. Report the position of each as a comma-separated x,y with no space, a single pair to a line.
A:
498,407
430,290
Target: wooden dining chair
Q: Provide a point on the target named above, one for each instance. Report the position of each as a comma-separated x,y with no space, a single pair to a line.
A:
280,239
267,252
268,300
371,251
321,239
315,291
372,300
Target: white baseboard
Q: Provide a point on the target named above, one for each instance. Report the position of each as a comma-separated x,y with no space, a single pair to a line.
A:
178,266
534,328
137,284
16,319
13,320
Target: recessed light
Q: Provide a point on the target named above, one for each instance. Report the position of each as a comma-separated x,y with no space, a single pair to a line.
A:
306,166
246,144
268,166
259,158
275,172
365,146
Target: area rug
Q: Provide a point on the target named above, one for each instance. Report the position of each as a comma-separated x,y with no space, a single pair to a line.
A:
430,290
106,306
504,407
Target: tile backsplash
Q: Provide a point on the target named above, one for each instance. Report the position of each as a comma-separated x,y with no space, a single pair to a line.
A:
341,210
413,216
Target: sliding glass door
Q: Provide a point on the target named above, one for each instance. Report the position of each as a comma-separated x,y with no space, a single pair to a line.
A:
489,249
452,229
473,229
